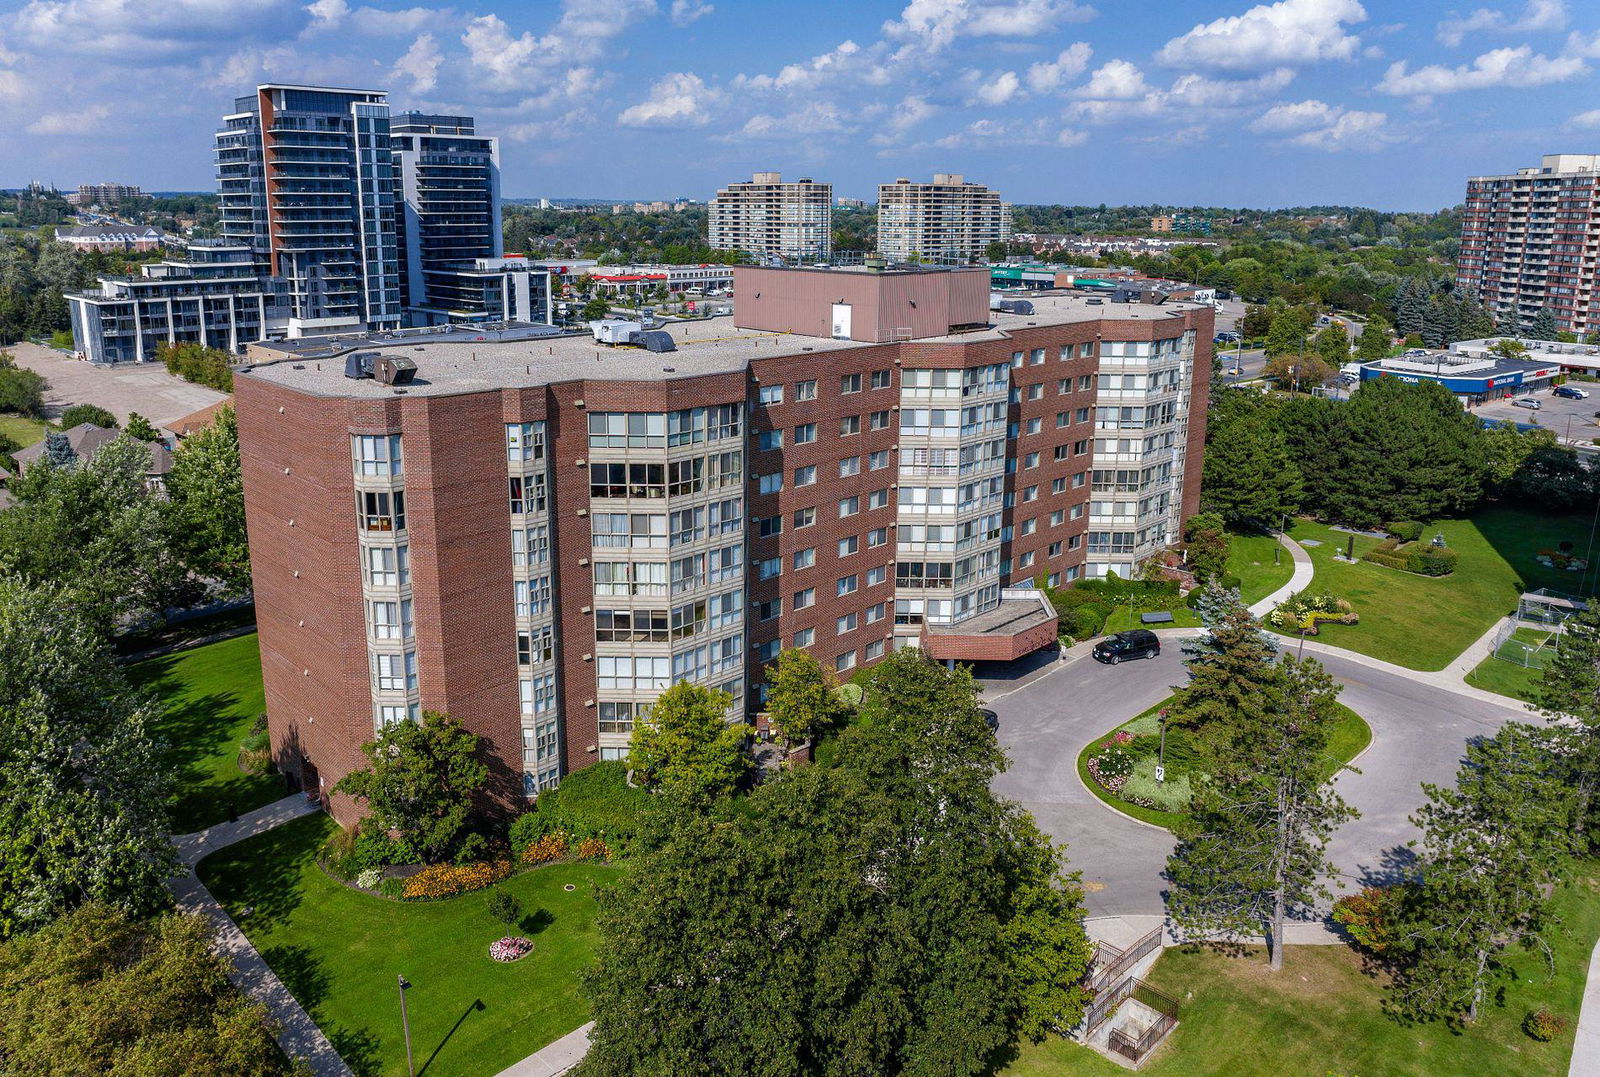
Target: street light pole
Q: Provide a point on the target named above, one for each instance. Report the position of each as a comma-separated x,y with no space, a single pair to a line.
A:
1161,759
405,1022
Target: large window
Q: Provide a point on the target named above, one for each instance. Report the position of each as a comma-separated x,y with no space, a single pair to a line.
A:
530,546
396,672
532,597
381,510
388,566
377,455
622,578
524,442
627,480
538,694
630,626
633,673
627,430
528,494
390,620
638,530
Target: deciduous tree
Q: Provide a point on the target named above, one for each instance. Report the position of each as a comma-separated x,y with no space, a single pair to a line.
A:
83,791
93,414
685,746
205,507
800,698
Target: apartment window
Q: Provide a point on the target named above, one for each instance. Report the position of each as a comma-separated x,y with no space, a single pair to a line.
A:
1081,415
725,517
805,433
876,575
878,499
1030,461
1079,479
877,537
524,442
1086,381
1080,447
880,379
850,383
620,578
770,394
805,476
877,613
769,567
878,420
878,461
875,650
849,506
1030,494
1074,541
766,611
1029,526
804,599
1035,392
849,545
630,626
1016,358
686,526
769,439
627,430
1035,425
627,480
805,637
390,620
1058,517
844,624
850,424
382,510
1026,560
1054,550
1061,452
805,390
805,558
1058,486
846,585
639,530
770,484
1036,357
530,546
377,455
630,673
388,566
536,647
767,651
1075,512
396,672
850,465
768,526
1064,385
532,597
616,717
392,715
804,517
844,661
528,494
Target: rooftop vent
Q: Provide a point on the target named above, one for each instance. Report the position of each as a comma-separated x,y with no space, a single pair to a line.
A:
394,370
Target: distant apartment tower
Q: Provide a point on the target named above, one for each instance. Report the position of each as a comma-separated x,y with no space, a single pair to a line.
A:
1528,242
104,193
306,179
447,215
767,217
949,220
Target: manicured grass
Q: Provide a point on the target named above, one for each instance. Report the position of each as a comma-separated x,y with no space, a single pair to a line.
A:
1322,1014
339,951
22,430
1506,679
1121,619
1413,621
1250,559
212,695
1347,740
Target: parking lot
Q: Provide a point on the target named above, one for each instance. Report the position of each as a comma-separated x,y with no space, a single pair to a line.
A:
1572,420
127,387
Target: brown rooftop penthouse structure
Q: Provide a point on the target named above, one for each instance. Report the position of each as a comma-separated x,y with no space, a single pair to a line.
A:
538,533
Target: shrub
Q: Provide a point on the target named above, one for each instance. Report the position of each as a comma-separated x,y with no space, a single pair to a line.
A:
1368,917
93,414
1111,765
1431,560
545,849
1230,582
448,880
595,802
369,879
392,887
591,849
504,906
338,854
1544,1025
1404,530
1141,788
1086,621
1305,611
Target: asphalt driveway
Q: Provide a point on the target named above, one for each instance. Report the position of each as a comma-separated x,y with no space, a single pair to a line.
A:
1047,718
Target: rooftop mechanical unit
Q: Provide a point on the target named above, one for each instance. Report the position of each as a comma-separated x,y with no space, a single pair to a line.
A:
615,331
359,364
394,370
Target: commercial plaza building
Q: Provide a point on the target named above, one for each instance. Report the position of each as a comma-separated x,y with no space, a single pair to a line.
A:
768,217
1530,242
538,533
949,220
330,222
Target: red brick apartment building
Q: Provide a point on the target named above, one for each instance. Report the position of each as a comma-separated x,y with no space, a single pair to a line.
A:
538,534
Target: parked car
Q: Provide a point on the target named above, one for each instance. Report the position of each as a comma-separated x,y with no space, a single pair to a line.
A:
1526,402
990,719
1137,643
1572,392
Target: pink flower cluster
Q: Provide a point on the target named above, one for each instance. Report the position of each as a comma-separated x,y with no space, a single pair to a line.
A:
510,948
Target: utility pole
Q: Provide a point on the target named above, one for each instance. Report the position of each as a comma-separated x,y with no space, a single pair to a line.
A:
405,1022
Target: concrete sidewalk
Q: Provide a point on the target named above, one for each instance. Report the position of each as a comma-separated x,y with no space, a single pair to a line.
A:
297,1033
552,1061
1299,580
1586,1046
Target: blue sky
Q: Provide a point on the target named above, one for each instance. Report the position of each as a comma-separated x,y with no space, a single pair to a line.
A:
1369,102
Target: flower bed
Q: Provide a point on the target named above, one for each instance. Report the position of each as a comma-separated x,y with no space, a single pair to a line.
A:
560,846
1304,612
448,880
510,948
1111,765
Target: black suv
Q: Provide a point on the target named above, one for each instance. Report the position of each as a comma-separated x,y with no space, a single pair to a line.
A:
1139,643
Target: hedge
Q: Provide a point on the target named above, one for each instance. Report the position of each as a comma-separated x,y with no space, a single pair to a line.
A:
1404,530
596,801
1431,560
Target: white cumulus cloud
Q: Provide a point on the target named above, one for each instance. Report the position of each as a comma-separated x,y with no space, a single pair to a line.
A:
1295,116
1363,132
936,24
1288,32
686,11
420,65
1072,62
1536,16
84,121
680,99
998,90
1513,68
1114,80
1586,121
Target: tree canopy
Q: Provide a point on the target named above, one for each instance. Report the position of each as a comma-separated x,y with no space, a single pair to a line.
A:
685,746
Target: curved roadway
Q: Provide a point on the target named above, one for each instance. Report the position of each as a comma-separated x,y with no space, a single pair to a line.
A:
1419,733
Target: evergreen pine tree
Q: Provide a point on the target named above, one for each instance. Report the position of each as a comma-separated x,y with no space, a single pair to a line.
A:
58,450
1409,311
1568,694
1544,325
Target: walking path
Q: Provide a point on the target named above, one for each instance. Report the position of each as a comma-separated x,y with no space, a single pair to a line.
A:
297,1034
1298,581
552,1061
1586,1047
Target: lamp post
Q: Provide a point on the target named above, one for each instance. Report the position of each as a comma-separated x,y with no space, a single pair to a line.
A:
405,1022
1161,758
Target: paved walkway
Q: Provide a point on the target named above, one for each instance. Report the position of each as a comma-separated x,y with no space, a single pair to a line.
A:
1299,580
558,1058
297,1034
1586,1047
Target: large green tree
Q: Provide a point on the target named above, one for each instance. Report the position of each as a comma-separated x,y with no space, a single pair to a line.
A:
800,698
100,992
93,527
1568,694
1490,848
1231,671
1373,343
421,783
83,790
1253,853
885,915
205,506
685,746
1250,476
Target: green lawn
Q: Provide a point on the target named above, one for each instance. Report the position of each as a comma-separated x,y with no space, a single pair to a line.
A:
339,951
1504,678
22,430
212,694
1416,621
1348,740
1121,619
1250,559
1321,1014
